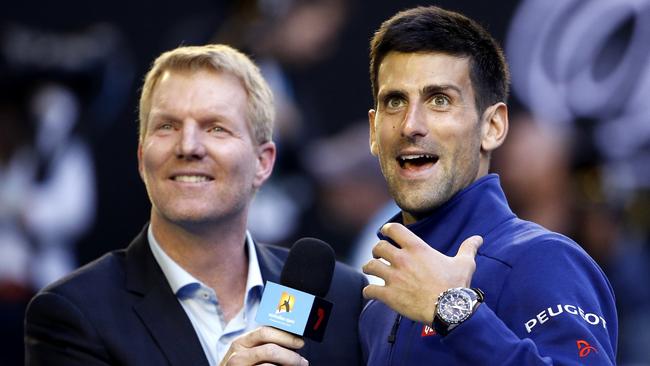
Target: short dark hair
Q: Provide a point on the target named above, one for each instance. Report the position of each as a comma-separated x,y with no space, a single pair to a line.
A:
432,29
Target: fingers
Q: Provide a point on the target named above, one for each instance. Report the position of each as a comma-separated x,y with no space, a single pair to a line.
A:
266,354
375,267
417,273
469,247
401,235
405,239
384,249
265,345
374,292
265,335
466,257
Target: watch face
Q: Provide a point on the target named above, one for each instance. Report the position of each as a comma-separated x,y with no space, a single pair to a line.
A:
455,306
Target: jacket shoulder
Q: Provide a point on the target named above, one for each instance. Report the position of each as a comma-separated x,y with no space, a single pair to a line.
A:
93,280
516,239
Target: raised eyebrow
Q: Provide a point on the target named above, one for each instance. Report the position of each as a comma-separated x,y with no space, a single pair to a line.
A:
430,90
390,94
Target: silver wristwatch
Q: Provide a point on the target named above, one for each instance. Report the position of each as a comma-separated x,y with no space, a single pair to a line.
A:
454,306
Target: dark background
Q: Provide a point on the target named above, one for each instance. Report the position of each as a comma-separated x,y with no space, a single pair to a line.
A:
333,94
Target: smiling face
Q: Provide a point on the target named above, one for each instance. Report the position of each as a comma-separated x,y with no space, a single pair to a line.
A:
198,159
426,131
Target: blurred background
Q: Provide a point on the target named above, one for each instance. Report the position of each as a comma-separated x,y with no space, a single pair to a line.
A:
576,161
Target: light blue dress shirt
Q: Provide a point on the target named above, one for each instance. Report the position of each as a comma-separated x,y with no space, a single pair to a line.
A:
202,306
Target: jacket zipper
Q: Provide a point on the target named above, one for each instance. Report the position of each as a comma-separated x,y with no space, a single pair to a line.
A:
392,337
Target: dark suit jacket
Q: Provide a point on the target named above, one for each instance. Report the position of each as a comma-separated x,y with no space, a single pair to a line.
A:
120,310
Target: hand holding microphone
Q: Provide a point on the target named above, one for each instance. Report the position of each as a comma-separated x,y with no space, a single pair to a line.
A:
265,344
290,310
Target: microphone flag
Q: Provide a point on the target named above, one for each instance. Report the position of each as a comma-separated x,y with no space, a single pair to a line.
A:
293,311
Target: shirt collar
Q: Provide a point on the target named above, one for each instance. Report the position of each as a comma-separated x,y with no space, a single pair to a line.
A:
178,278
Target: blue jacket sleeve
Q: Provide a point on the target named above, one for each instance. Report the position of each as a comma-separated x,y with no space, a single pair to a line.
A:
556,308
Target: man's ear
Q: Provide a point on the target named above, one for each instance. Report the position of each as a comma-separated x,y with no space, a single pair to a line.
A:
266,153
495,127
373,141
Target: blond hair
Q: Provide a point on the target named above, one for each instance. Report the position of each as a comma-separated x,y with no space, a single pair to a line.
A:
221,58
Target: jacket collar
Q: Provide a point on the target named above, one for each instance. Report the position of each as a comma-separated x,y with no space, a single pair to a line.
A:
475,210
159,309
270,263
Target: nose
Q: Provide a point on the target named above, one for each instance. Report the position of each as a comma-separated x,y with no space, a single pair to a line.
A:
414,124
190,145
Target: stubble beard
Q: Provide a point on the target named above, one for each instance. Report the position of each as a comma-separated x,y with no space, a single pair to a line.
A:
420,198
195,213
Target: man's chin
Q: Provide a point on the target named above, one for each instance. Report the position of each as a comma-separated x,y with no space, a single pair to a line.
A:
415,211
418,206
186,218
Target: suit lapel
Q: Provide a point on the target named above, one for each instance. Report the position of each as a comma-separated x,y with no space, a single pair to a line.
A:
159,310
270,263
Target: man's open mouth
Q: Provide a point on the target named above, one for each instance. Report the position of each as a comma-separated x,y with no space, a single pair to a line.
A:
416,161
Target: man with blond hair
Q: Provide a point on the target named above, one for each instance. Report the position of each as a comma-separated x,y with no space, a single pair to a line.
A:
190,283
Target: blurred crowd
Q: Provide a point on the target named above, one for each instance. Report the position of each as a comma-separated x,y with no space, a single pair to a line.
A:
576,159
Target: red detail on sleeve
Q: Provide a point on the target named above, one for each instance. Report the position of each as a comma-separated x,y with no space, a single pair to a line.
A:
428,331
584,348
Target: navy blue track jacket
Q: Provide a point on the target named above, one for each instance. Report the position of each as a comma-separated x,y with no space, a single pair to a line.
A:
546,301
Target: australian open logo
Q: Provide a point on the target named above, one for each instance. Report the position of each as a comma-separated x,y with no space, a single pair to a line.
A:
285,305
